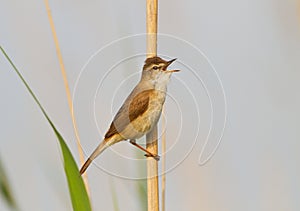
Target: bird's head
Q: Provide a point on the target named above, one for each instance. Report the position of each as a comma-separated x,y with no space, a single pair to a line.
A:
156,68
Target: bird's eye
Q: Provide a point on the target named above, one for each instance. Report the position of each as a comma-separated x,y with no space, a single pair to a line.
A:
155,68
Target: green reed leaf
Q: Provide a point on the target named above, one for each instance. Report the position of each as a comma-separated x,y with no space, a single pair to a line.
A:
78,193
5,188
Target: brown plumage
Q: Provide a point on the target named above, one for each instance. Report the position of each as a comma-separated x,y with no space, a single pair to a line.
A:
153,60
141,110
134,108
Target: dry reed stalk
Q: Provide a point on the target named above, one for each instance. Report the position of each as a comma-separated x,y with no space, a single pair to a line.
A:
67,88
152,164
163,163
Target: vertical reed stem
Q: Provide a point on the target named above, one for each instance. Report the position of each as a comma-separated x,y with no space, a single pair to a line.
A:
152,165
163,163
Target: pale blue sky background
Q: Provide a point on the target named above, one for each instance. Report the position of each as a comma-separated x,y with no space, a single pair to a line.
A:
255,49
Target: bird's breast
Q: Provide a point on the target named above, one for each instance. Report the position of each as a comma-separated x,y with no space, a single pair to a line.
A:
150,118
146,121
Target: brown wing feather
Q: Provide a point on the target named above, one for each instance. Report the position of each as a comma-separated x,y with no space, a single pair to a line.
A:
135,105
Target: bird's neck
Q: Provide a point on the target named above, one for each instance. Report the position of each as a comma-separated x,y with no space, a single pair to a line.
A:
159,83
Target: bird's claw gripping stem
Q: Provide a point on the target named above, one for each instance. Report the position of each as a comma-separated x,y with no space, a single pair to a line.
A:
156,157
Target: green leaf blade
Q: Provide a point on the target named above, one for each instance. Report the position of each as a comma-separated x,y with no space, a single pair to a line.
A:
76,185
78,193
5,188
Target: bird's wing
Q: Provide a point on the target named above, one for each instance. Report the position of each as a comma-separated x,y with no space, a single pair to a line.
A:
135,105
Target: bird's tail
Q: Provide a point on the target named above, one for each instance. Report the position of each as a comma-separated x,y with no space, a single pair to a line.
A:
101,147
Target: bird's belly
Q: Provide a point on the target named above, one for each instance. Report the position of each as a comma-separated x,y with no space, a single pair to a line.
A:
145,122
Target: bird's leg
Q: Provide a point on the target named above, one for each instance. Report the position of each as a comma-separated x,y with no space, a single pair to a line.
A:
149,154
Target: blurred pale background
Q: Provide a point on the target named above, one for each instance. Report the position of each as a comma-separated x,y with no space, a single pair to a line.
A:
255,48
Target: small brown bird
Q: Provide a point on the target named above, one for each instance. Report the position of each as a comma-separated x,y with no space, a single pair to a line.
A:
141,110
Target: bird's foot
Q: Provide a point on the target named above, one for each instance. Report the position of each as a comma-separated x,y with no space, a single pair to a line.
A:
132,141
149,154
156,157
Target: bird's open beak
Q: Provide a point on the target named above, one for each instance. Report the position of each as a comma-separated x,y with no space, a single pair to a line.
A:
170,62
173,71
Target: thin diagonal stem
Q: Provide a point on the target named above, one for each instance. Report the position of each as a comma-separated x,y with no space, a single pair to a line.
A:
67,88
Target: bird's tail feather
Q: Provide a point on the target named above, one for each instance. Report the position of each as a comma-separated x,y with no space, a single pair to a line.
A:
101,147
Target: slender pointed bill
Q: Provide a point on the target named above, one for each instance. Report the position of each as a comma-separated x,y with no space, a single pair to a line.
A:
168,63
173,71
